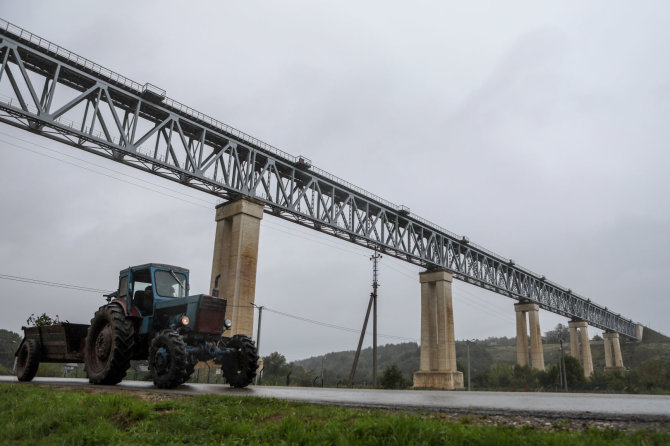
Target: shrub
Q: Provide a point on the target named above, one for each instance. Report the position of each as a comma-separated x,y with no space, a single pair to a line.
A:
392,378
43,320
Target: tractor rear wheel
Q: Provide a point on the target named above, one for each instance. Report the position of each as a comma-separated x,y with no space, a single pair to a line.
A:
240,370
109,345
168,360
28,360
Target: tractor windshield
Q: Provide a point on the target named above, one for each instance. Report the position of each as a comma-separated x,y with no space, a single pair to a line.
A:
170,284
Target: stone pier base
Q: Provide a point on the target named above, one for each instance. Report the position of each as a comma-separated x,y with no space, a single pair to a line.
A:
438,379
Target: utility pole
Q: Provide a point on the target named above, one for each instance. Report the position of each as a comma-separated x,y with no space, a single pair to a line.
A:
375,259
565,372
258,335
372,303
560,375
468,345
360,344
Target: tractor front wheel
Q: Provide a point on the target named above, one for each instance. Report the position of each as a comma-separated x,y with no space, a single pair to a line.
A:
109,345
168,360
28,360
240,370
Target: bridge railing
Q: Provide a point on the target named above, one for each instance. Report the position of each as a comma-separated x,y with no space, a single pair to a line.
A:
27,36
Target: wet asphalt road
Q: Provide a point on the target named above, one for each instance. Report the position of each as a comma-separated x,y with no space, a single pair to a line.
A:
562,405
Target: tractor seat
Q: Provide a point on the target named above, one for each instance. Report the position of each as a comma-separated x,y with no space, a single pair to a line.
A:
143,302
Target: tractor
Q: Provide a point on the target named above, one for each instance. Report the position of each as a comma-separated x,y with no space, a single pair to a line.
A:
150,317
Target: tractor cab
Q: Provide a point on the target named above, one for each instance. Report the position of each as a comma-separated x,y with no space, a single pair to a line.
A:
144,286
156,297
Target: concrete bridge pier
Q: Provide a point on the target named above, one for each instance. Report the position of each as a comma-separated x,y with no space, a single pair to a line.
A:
438,347
536,349
613,359
235,258
575,337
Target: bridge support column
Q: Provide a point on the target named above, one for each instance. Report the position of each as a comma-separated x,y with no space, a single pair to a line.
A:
521,337
235,258
613,359
574,339
586,358
438,346
536,349
639,331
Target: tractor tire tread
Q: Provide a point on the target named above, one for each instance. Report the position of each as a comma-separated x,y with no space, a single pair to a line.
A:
247,362
178,371
123,342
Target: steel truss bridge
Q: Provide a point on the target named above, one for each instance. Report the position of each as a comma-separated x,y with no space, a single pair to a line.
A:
55,93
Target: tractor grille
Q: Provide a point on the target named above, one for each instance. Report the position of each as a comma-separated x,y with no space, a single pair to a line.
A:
211,313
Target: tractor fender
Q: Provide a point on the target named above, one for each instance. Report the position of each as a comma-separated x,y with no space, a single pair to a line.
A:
133,310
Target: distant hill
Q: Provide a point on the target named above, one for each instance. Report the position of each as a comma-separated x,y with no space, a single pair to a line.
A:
337,365
483,355
9,342
651,336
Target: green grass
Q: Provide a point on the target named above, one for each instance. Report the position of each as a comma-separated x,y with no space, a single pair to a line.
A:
36,415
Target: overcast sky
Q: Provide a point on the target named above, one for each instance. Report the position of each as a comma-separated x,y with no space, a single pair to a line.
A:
538,129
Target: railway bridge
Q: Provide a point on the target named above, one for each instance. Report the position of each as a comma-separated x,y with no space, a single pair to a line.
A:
50,91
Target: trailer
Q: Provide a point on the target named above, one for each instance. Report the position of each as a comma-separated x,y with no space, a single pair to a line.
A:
63,342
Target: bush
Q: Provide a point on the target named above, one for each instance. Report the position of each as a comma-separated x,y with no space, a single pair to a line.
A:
652,375
43,320
501,376
392,378
574,372
9,342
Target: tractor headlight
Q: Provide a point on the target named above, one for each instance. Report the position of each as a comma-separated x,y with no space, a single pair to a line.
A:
227,323
185,320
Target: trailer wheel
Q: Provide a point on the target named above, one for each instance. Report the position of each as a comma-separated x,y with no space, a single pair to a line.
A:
28,360
240,370
109,345
168,360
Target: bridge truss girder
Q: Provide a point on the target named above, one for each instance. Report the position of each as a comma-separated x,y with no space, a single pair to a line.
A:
61,96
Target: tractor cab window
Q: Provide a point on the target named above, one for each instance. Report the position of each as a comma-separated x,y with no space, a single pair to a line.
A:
143,296
170,284
123,286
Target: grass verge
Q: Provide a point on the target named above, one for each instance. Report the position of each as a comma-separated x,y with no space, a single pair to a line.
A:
38,415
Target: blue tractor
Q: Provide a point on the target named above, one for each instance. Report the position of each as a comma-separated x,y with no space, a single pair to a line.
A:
152,316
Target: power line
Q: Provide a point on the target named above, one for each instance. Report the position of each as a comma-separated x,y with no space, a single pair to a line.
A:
271,225
304,235
51,284
470,299
33,281
337,327
100,166
105,174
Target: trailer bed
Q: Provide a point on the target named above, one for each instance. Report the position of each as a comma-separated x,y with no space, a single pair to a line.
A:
59,343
